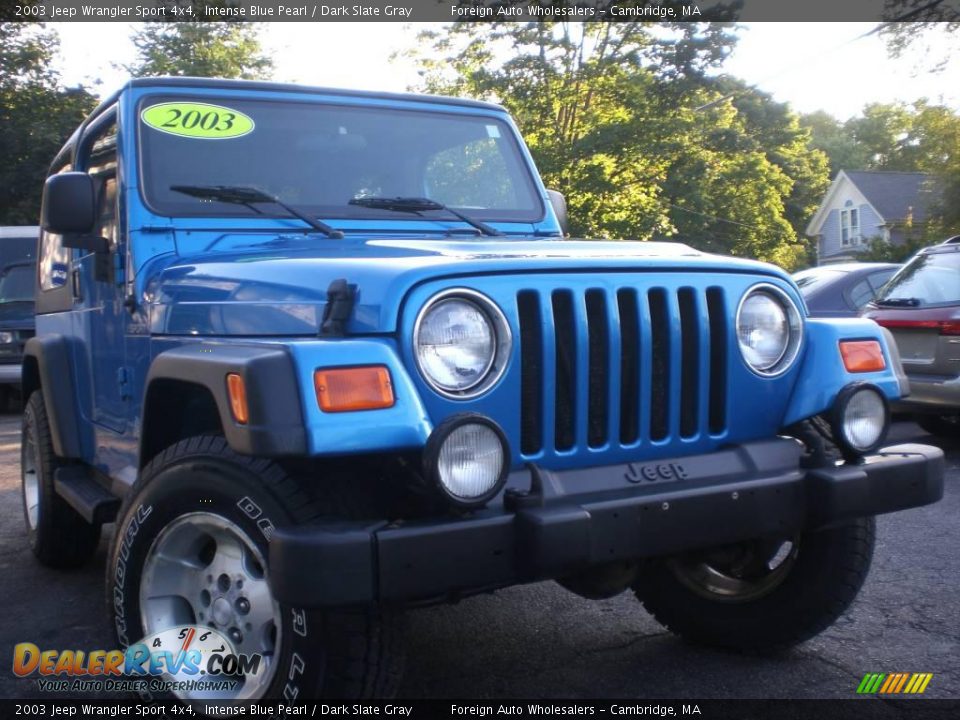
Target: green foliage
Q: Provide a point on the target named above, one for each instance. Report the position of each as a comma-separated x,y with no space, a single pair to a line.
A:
880,250
37,116
614,116
831,137
200,49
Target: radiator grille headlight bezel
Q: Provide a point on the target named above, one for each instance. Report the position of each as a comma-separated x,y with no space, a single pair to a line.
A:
769,365
494,364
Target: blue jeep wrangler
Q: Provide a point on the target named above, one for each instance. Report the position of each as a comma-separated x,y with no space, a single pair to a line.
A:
322,355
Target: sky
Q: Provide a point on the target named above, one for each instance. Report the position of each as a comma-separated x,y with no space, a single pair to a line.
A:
813,66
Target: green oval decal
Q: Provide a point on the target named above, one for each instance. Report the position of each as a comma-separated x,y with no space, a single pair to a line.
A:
198,120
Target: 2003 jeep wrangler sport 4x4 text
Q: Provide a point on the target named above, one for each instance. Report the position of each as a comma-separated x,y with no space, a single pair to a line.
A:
325,354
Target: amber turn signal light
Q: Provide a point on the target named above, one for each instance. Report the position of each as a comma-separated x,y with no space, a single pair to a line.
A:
355,388
237,391
862,356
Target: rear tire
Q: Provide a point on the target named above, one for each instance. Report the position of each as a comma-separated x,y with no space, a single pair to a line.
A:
219,500
704,601
945,426
59,536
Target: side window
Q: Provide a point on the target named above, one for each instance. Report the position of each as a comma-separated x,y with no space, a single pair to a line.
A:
102,167
54,258
471,175
879,279
860,294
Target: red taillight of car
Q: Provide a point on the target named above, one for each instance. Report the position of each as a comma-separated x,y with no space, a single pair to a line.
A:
945,327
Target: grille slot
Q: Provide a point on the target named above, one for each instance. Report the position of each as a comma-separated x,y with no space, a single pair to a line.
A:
629,366
660,372
531,373
599,352
689,362
716,311
566,370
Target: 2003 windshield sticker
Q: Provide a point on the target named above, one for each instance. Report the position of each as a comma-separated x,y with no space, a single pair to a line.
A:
198,120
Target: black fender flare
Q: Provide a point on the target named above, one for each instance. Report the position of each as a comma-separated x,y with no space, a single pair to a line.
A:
47,365
275,427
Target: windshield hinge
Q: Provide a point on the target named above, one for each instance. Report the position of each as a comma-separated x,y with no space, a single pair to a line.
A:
340,299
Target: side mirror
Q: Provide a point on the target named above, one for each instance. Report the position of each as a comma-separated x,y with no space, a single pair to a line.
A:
69,209
68,204
559,204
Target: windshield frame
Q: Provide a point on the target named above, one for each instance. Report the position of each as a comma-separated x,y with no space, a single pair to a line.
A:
538,213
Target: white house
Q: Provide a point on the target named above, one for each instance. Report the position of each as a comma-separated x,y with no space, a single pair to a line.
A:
862,205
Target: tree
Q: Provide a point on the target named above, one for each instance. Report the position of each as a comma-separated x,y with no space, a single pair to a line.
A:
37,115
832,137
919,22
624,119
200,49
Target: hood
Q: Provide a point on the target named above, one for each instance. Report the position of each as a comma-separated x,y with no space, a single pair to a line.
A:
279,286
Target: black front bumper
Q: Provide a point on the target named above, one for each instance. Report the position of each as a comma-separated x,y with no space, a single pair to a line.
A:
567,521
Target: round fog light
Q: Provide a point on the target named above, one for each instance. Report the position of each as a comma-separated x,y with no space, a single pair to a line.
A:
861,419
468,460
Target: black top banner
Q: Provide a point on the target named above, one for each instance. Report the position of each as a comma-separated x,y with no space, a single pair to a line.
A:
479,10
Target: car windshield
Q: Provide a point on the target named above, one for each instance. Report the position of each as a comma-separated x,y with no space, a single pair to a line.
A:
930,279
320,157
808,280
17,284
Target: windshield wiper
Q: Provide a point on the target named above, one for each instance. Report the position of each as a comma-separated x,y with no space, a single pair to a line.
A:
899,302
417,205
250,197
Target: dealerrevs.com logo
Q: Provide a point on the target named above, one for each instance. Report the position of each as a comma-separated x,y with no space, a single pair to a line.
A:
183,659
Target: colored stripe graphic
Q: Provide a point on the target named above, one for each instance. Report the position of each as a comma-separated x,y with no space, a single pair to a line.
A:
894,683
870,683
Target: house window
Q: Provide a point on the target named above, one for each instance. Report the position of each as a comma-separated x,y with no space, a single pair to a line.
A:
850,226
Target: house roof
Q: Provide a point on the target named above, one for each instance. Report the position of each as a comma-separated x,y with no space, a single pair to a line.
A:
893,195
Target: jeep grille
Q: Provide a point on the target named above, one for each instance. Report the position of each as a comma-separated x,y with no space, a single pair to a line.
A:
631,365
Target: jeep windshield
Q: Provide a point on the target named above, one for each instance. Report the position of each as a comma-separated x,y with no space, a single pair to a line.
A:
321,158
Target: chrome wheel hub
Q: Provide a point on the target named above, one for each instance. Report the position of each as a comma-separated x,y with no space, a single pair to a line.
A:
29,465
202,569
738,573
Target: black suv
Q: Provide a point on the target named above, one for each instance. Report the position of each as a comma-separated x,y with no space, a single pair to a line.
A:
18,270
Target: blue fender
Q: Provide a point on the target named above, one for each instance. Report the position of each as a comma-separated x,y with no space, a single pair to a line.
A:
406,425
823,375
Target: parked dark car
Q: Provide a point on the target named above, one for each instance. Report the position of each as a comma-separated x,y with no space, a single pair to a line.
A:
921,307
842,290
18,270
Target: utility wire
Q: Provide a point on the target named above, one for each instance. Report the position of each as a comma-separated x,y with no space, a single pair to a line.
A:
731,222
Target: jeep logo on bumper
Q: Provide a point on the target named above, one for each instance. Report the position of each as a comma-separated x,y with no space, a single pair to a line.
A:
652,472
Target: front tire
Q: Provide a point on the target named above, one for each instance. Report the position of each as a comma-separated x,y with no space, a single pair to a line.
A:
761,596
58,534
191,549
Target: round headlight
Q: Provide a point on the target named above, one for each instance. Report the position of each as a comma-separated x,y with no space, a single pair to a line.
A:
461,341
467,457
769,330
861,419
